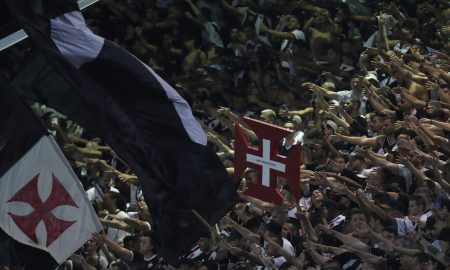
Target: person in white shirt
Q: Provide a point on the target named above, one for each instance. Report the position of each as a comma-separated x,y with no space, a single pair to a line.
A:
415,217
115,204
99,188
292,39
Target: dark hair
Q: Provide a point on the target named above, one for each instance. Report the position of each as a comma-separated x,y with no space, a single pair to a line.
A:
350,56
295,222
355,211
274,227
431,221
185,261
420,200
121,264
332,263
409,24
151,237
120,200
287,188
253,223
211,265
334,48
400,131
439,114
444,234
234,235
392,118
129,238
446,203
422,257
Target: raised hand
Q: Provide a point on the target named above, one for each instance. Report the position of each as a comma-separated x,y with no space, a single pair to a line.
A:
402,159
431,86
434,104
320,178
362,152
401,124
377,64
326,229
405,144
412,119
335,138
335,109
367,92
333,166
395,60
224,111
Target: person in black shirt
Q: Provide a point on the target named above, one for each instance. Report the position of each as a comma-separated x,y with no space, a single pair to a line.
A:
145,259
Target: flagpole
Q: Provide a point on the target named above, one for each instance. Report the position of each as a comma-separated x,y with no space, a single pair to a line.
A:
384,32
10,40
213,231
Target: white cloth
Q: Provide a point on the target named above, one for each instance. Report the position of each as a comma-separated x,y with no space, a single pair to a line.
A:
298,139
43,179
288,246
404,172
287,44
279,261
96,193
346,94
115,234
305,202
406,225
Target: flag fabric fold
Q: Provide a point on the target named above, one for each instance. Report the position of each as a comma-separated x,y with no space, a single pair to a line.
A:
42,203
110,92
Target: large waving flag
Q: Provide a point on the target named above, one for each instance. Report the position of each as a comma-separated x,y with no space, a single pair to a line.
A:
110,92
42,203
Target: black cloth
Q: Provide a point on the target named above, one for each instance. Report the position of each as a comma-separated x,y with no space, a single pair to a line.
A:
119,99
140,263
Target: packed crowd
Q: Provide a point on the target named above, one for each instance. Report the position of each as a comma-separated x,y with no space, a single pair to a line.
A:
364,87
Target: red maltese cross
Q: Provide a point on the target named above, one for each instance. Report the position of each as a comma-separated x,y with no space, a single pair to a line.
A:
42,210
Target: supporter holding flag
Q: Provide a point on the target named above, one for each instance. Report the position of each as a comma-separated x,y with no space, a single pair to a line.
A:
140,115
42,203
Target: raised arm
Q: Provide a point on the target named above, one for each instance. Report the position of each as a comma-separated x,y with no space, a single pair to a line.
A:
327,93
116,224
133,223
372,207
346,239
259,203
392,167
214,139
402,250
372,142
122,252
246,233
278,34
292,259
316,256
439,124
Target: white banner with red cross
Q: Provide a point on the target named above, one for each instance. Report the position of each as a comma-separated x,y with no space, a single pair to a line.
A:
267,161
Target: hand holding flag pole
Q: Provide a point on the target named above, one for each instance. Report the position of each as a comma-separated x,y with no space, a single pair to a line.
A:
215,232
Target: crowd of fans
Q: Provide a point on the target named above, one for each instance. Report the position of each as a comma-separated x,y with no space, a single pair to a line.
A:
363,85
